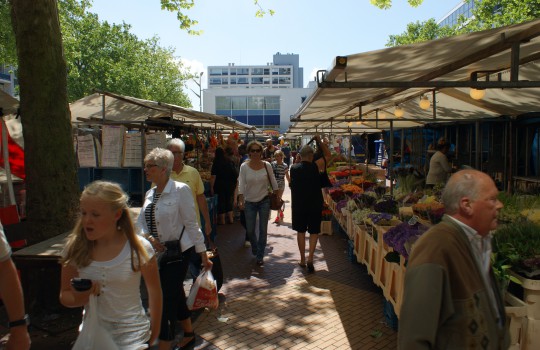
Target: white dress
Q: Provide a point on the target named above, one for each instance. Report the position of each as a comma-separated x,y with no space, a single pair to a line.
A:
119,303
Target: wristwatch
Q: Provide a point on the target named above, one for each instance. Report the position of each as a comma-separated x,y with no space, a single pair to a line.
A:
24,321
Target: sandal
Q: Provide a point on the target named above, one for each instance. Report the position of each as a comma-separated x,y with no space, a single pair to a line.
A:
189,343
301,264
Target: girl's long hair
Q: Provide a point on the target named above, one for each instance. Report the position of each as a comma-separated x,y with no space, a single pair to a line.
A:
78,247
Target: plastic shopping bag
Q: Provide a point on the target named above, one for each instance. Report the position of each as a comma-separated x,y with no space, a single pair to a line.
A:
92,336
203,293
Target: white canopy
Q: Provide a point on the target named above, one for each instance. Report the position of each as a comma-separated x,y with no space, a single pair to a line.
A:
372,83
107,107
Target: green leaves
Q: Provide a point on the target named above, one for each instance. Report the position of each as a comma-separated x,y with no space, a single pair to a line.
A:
108,57
386,4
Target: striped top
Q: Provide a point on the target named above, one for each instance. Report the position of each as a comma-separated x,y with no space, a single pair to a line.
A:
150,215
279,173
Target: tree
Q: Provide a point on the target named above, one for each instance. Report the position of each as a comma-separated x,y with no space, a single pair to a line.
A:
486,14
108,57
418,32
52,184
51,173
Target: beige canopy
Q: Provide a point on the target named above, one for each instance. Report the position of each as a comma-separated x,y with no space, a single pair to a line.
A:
107,107
358,89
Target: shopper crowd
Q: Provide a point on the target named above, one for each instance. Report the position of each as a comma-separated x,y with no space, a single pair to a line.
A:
451,298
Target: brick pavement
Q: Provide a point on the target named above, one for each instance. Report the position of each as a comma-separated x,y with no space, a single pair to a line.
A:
282,306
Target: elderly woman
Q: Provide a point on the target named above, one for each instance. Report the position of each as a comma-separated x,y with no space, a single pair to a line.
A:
168,219
255,179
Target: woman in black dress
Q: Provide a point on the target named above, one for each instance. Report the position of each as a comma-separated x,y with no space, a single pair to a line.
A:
223,183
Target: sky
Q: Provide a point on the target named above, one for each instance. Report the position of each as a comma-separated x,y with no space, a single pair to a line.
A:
316,30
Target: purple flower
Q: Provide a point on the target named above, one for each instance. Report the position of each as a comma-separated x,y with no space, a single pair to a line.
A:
399,235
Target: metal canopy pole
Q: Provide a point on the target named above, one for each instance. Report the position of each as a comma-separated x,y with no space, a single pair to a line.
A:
391,155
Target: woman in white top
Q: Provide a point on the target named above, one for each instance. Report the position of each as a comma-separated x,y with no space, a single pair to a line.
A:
103,247
253,189
168,215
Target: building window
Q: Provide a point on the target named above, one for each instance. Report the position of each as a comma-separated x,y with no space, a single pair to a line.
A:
285,71
232,81
266,71
257,71
275,71
242,80
223,102
256,102
284,80
271,102
214,81
218,71
242,71
239,102
256,80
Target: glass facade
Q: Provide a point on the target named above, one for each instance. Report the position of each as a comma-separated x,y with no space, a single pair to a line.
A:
451,19
259,111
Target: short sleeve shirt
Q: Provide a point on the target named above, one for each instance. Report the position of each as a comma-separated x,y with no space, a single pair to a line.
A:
191,177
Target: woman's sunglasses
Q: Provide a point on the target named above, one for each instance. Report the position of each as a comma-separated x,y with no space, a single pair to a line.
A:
255,150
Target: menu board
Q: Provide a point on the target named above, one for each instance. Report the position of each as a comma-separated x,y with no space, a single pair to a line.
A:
132,149
112,138
155,139
86,151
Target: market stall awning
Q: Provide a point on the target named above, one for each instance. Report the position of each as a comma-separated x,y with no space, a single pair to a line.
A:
107,107
360,88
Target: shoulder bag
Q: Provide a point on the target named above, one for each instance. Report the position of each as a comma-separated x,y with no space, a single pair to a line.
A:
276,203
173,251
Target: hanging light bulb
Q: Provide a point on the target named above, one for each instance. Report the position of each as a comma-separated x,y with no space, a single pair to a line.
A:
349,123
424,102
399,112
358,122
477,94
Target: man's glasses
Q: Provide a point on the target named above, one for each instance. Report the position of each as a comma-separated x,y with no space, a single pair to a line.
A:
255,150
148,166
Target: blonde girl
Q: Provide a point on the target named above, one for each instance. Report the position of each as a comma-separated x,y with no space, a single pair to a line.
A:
104,248
281,171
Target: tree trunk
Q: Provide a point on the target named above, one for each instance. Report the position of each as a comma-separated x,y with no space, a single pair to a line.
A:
51,171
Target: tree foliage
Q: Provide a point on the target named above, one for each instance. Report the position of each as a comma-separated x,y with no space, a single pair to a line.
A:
486,14
108,57
8,54
386,4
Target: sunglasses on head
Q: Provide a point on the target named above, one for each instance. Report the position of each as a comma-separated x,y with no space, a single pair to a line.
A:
255,150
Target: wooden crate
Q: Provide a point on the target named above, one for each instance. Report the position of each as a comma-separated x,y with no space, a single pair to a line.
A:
370,256
359,242
516,313
393,289
383,266
326,228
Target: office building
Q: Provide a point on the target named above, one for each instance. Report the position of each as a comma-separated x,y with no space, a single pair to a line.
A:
264,96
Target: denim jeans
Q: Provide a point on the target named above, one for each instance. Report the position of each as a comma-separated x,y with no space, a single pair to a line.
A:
251,210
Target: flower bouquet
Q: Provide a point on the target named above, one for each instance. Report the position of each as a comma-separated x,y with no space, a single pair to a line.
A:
402,236
386,206
326,214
